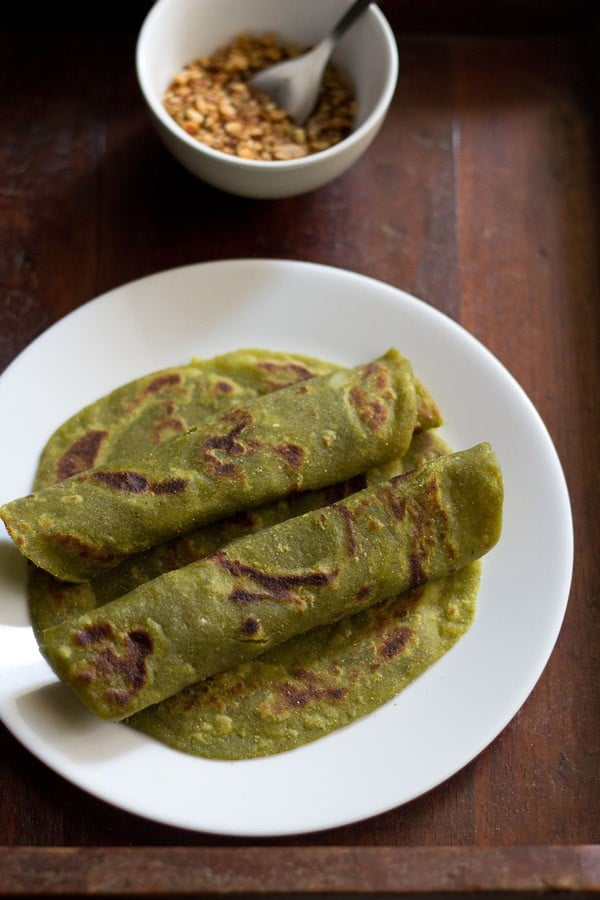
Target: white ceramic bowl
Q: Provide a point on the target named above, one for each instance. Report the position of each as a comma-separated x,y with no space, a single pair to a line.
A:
176,32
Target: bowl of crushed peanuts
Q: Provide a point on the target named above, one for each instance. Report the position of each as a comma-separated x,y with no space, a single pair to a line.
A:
194,62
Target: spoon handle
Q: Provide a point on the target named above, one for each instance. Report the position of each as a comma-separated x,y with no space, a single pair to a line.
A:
350,16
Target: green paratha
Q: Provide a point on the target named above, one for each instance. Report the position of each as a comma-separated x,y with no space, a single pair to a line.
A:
320,681
136,416
153,408
263,589
149,410
311,684
303,437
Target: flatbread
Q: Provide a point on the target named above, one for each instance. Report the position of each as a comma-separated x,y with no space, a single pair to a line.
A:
268,587
145,412
303,437
320,681
310,685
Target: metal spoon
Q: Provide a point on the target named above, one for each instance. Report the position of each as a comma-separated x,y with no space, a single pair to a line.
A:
294,84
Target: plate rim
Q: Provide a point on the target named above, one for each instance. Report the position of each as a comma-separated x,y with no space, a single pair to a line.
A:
436,315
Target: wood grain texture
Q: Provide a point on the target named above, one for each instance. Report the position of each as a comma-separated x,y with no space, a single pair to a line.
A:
529,288
299,872
480,195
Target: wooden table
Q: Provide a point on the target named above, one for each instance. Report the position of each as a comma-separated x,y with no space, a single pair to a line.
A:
480,196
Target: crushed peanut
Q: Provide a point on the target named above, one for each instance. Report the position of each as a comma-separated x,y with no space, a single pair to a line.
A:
213,102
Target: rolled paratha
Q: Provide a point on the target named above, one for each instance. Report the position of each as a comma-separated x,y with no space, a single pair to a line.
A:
303,437
263,589
52,601
153,408
145,412
320,681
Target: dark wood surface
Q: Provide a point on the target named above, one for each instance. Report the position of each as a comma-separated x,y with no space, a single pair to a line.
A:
480,195
311,872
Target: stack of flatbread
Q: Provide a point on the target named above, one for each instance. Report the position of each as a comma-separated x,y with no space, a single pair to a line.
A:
240,555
